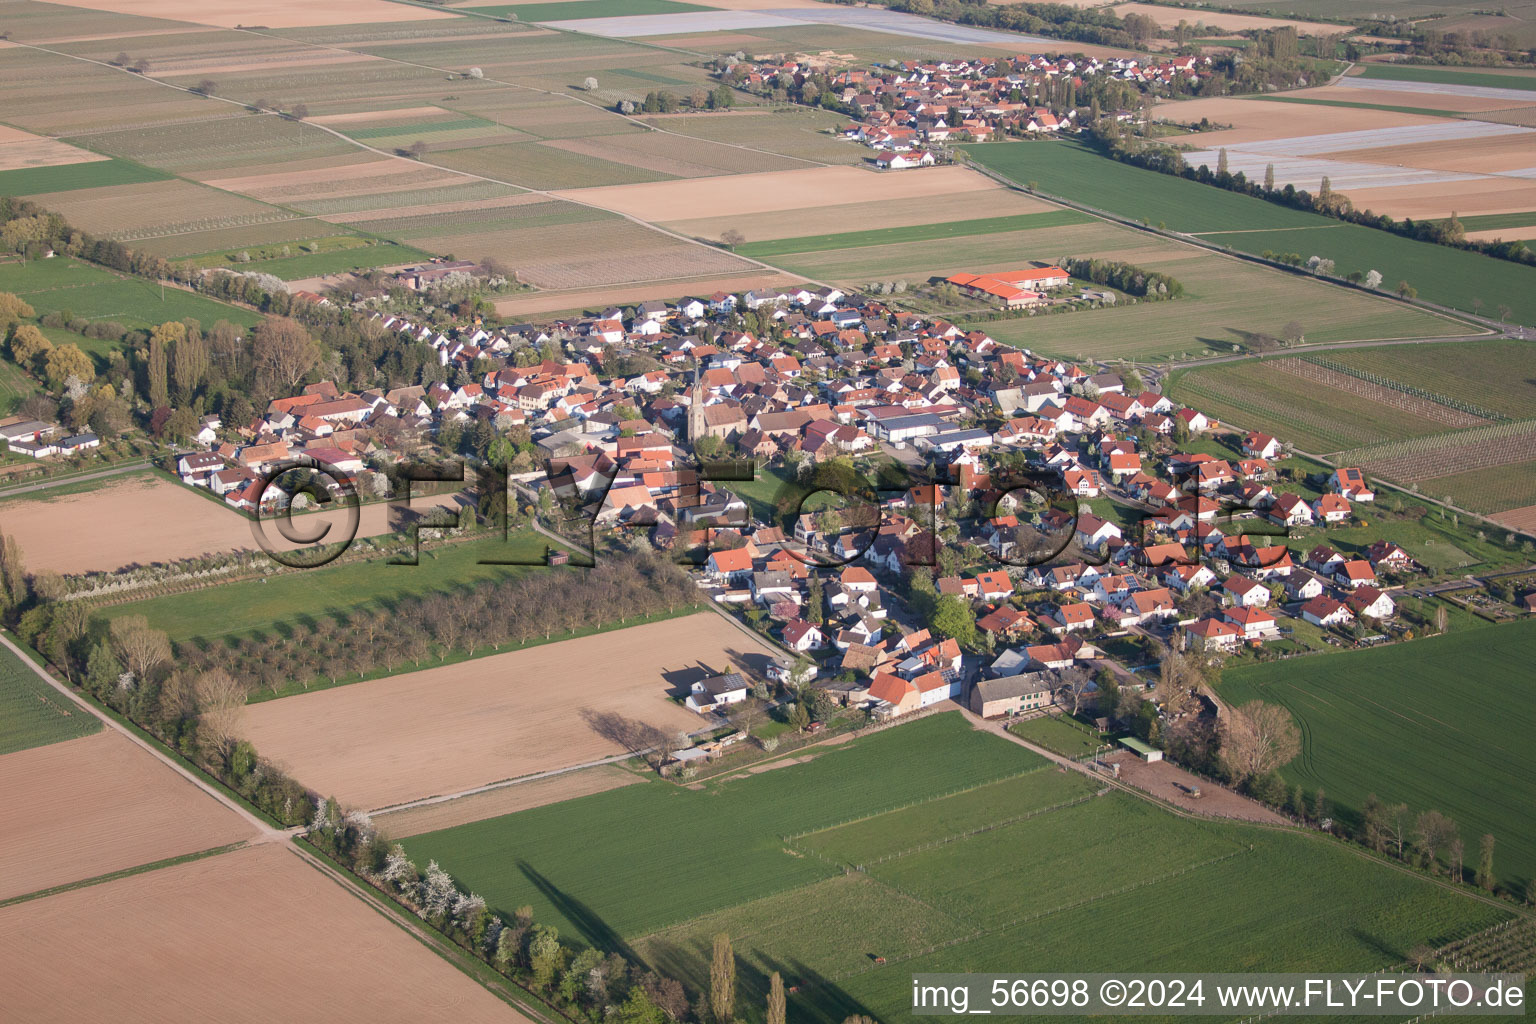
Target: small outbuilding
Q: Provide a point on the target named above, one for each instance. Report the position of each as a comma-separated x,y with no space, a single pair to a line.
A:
1142,750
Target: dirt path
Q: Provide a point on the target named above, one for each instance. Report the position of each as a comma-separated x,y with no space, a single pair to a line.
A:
265,833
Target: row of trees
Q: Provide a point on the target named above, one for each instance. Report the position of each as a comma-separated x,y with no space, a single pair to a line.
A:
1133,280
584,982
1167,160
416,630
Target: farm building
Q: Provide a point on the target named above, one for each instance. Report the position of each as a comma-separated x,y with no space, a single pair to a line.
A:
1011,695
1142,750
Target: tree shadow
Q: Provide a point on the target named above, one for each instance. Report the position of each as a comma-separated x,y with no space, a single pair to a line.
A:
589,925
632,734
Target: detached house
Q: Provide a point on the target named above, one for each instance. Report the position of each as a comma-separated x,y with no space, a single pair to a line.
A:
707,695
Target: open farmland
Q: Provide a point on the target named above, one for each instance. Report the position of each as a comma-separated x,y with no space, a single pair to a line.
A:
1440,273
1436,724
1267,395
1494,374
32,713
125,809
95,172
1509,488
19,149
90,291
790,131
913,233
149,519
1418,459
453,728
159,209
969,885
302,938
272,13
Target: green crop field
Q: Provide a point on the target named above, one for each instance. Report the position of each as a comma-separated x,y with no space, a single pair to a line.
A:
1438,724
31,181
1494,374
1453,277
970,866
32,713
1255,395
1068,738
1512,485
636,858
582,9
1444,76
1394,108
95,293
285,602
914,233
1494,221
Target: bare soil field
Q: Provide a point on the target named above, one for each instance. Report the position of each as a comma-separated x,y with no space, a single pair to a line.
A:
1503,234
430,209
599,298
23,149
1518,518
1487,156
1467,198
1361,92
1169,782
149,519
232,938
392,116
1260,121
95,805
493,803
1169,17
445,730
777,190
267,13
819,220
685,157
346,167
315,59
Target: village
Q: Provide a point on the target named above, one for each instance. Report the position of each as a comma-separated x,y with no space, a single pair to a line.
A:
1156,539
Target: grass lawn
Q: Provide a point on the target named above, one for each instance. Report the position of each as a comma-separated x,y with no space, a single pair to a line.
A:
1440,273
16,385
1441,723
287,602
1444,76
1053,732
32,713
30,181
913,233
971,866
95,293
582,9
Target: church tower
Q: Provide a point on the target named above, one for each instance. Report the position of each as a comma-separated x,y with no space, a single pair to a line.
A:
696,427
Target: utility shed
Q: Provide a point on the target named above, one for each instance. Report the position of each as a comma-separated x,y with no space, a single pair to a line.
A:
1140,749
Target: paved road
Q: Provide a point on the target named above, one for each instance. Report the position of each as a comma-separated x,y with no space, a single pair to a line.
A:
44,485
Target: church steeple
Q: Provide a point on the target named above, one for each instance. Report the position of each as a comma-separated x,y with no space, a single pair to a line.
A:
696,427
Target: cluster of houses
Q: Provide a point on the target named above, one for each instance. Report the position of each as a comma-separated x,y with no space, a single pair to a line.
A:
905,107
38,439
819,374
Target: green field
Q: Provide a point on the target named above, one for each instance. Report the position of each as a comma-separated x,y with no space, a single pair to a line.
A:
1444,76
287,601
1394,108
1256,395
1512,485
1065,737
913,233
32,713
1439,724
95,293
31,181
970,866
1494,374
1453,277
582,9
1494,221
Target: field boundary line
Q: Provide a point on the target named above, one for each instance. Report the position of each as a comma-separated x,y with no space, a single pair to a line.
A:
1038,915
792,837
112,876
990,827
